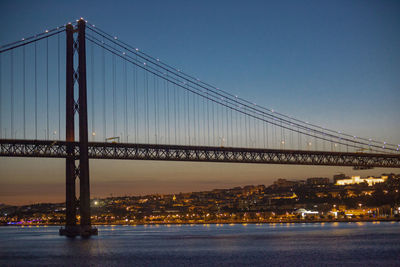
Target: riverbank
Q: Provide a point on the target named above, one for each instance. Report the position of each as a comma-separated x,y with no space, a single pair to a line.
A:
355,220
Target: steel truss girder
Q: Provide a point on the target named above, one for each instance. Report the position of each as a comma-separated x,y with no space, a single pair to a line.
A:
57,149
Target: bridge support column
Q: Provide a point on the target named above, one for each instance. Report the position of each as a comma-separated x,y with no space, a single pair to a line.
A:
71,229
86,227
82,171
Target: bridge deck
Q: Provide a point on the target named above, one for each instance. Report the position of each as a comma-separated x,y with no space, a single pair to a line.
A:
58,149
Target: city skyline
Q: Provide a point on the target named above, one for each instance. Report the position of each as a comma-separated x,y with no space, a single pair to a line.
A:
364,62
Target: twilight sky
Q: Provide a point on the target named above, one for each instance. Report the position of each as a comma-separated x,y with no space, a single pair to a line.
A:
335,64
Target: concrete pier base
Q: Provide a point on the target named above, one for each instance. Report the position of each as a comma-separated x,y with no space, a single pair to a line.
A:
73,231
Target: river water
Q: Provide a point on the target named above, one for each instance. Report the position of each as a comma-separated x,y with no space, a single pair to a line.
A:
311,244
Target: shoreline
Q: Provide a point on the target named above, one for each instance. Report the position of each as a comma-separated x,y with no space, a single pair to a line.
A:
217,222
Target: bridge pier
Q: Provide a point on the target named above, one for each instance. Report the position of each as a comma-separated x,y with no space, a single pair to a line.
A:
82,171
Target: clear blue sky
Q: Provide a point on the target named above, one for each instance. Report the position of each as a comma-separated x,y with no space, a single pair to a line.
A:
333,63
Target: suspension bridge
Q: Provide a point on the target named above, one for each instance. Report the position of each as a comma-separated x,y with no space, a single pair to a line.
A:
131,105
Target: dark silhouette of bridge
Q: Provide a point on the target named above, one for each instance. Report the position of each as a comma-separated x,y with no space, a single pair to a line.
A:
156,112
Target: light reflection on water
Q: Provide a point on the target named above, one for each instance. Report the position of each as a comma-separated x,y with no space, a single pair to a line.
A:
208,244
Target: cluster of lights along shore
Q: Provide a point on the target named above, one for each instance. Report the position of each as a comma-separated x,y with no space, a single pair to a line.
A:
315,199
214,94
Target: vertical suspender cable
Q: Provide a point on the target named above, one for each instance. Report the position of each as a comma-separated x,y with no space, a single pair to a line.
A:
155,110
103,74
236,130
168,110
223,135
264,124
199,128
197,119
274,136
188,118
24,92
267,131
282,141
232,135
36,114
241,129
147,108
175,96
136,101
12,94
218,135
204,121
165,110
59,86
213,123
185,118
258,132
249,128
47,89
245,129
291,140
208,122
316,144
194,119
126,102
253,128
114,97
133,100
227,122
298,138
178,107
158,109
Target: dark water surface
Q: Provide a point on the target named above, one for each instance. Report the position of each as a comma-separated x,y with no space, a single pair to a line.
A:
312,244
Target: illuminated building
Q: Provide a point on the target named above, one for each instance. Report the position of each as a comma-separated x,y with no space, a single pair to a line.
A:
305,212
358,180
